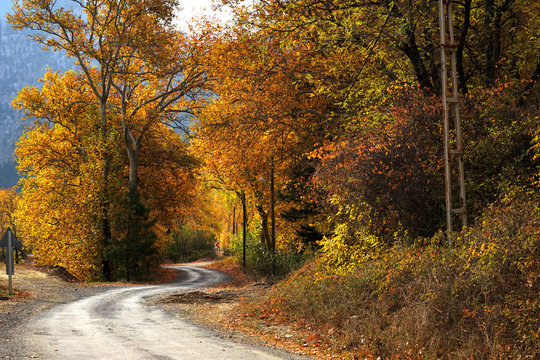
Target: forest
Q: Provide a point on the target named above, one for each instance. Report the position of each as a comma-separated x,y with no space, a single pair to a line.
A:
305,136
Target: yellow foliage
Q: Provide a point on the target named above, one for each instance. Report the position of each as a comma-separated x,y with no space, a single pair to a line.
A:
9,201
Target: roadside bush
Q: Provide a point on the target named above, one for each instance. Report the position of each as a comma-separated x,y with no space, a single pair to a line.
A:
261,262
276,264
391,171
190,245
477,300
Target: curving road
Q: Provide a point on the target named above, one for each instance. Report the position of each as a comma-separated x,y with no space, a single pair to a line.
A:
117,325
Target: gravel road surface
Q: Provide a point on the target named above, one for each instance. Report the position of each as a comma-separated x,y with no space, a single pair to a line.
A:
116,324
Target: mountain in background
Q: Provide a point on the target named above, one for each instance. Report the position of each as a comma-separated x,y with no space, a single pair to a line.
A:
22,63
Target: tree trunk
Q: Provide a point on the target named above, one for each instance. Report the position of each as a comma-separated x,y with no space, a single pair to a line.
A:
491,40
105,205
410,48
265,234
493,32
133,149
244,228
234,220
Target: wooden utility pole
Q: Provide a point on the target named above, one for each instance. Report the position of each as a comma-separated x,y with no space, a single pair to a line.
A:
453,157
234,220
272,206
244,227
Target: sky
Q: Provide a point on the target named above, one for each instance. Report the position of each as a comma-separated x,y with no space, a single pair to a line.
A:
190,9
5,6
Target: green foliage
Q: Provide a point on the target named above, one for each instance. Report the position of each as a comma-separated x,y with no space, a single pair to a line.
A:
498,141
388,178
349,246
191,244
478,300
264,263
504,252
133,256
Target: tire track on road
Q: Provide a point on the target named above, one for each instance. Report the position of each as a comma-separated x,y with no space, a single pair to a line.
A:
117,325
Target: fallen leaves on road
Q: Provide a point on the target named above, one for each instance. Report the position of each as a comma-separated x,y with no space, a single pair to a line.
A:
229,310
200,297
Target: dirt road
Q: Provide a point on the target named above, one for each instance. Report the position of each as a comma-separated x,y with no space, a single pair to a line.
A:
116,324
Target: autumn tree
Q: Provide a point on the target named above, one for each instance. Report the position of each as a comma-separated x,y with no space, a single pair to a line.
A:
138,73
60,159
358,51
495,39
9,200
261,119
137,67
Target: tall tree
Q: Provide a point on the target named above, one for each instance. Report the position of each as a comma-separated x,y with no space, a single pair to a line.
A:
62,185
261,120
138,69
136,66
61,161
368,59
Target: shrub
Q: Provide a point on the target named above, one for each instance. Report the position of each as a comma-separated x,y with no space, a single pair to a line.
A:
262,262
393,169
477,300
190,245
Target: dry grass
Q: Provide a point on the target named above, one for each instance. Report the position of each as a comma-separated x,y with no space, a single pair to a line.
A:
479,300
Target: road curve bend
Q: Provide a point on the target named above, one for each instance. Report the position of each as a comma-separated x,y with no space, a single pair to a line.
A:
116,324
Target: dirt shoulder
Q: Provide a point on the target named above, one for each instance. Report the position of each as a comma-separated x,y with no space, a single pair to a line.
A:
37,289
224,310
34,292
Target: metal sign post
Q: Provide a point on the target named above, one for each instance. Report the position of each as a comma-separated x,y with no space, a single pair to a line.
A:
10,241
9,263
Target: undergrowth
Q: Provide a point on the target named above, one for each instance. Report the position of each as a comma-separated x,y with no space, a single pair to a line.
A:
16,294
4,292
190,245
263,263
478,300
230,266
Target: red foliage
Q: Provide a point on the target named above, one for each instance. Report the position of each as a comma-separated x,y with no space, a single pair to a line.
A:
394,167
